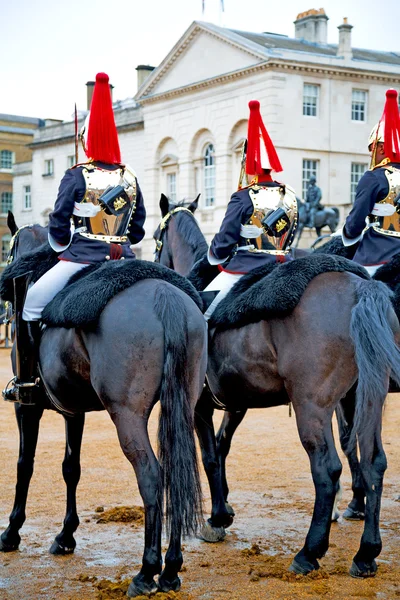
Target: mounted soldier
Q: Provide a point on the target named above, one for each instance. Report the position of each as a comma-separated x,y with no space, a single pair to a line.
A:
374,220
102,198
260,220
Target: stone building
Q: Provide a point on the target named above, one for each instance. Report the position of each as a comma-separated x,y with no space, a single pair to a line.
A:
15,135
184,128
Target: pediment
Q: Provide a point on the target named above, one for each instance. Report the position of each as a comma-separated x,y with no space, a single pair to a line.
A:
203,53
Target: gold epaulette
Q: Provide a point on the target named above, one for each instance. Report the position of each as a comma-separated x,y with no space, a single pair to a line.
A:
383,163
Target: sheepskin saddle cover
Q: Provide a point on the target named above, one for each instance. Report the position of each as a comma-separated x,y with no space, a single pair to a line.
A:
274,290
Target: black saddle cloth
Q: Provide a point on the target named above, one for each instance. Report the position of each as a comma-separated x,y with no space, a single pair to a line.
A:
86,294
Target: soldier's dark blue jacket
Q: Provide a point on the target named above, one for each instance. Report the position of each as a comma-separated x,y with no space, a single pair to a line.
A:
83,250
228,239
374,248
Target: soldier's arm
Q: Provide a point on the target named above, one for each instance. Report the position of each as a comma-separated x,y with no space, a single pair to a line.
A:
60,218
371,188
136,231
239,209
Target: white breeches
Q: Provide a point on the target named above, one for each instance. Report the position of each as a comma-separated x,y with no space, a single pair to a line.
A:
223,282
45,288
372,269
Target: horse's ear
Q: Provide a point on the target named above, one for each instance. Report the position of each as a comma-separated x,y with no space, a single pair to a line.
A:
164,205
12,226
193,207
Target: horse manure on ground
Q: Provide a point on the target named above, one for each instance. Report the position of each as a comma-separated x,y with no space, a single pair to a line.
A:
111,590
122,514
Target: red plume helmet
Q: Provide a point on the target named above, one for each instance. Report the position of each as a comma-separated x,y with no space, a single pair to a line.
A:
391,119
102,138
256,132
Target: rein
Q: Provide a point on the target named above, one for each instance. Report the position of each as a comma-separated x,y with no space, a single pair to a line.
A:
9,314
163,226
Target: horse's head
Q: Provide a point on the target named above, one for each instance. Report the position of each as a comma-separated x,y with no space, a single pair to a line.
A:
24,239
179,241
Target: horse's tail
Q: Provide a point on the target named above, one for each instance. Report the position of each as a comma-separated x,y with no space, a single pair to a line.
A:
177,450
373,328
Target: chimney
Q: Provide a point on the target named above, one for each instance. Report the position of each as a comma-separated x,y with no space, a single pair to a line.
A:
143,71
89,92
312,26
344,47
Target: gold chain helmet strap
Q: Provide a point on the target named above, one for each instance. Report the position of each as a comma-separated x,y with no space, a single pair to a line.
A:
163,226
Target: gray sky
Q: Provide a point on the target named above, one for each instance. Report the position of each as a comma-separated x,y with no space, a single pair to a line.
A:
49,49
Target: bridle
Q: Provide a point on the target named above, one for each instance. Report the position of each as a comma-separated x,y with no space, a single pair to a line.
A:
9,314
163,227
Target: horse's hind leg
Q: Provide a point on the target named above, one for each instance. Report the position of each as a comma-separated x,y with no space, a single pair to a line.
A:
373,465
213,530
71,468
315,430
230,423
28,419
135,443
345,416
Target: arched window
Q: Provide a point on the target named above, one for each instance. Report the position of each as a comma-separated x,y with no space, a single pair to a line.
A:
209,175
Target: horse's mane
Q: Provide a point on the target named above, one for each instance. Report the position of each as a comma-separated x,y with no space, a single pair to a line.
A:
190,230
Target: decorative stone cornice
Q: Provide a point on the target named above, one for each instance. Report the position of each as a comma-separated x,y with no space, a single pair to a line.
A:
159,74
282,66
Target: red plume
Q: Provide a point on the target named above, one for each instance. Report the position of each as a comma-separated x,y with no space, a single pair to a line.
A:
391,118
256,128
102,143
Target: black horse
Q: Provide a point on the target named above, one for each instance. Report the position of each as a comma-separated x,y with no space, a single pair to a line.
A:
312,361
149,344
324,217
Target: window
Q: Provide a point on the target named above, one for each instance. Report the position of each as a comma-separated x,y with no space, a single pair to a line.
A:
6,202
209,175
27,197
310,100
310,168
358,105
357,171
171,186
70,161
48,168
5,247
6,159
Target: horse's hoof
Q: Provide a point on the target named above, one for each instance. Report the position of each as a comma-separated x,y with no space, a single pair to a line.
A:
140,588
164,585
211,534
363,570
304,567
59,550
4,547
353,515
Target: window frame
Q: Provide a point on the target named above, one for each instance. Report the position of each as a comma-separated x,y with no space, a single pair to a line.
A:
209,175
353,177
6,165
359,108
311,172
27,196
48,167
3,199
172,190
307,104
6,238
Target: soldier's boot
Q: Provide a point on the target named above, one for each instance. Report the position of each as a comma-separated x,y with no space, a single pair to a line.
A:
25,385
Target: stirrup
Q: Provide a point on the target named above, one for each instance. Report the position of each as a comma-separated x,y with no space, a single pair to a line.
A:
12,394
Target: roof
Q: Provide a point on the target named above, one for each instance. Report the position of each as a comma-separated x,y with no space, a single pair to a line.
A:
19,130
18,119
273,41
